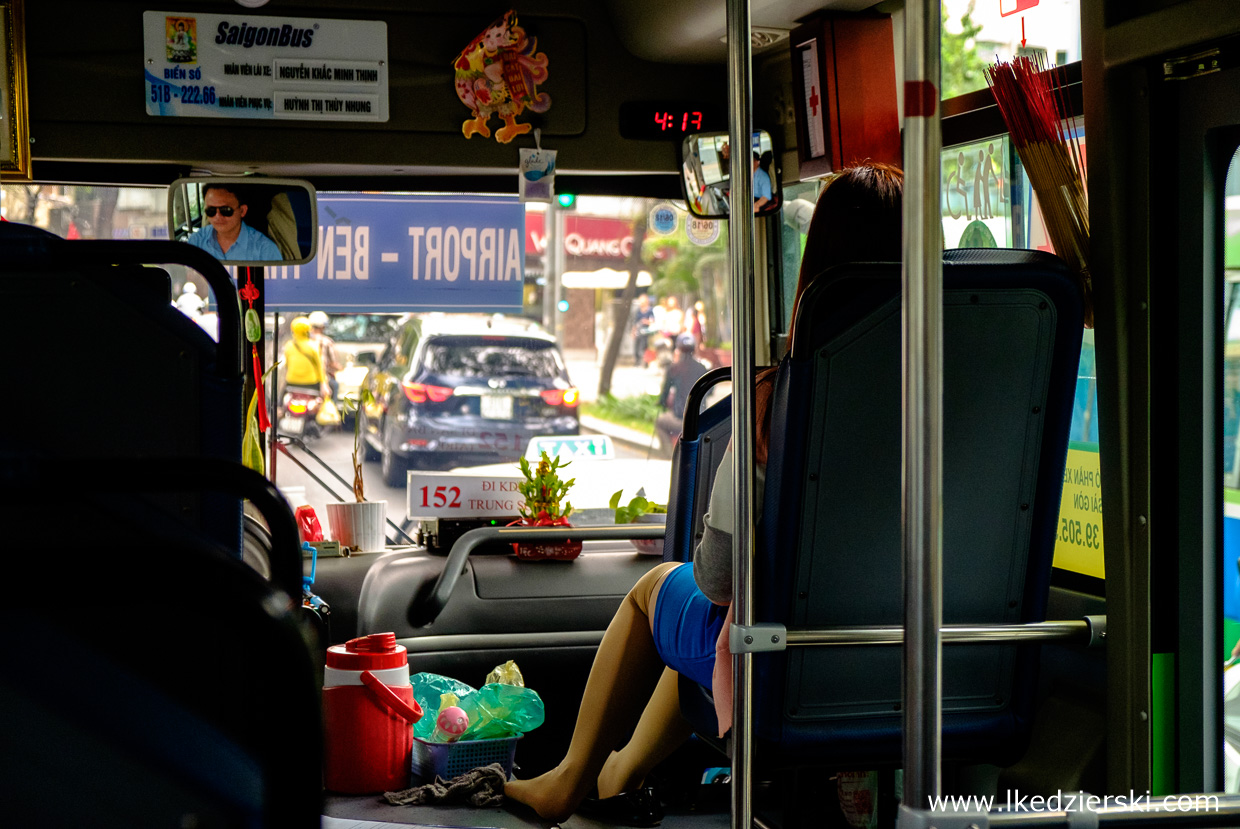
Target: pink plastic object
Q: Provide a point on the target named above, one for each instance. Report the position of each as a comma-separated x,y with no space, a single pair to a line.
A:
308,524
451,723
368,716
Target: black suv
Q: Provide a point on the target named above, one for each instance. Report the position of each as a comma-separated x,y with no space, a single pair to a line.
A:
463,390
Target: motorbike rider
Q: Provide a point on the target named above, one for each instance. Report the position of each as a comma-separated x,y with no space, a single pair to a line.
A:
189,302
327,350
302,361
681,375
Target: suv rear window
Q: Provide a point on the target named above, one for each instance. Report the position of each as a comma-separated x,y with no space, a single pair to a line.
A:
486,357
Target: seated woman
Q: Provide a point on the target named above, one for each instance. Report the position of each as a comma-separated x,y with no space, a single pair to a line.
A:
674,618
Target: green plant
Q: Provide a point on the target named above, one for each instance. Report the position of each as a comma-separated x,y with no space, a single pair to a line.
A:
543,490
636,508
354,407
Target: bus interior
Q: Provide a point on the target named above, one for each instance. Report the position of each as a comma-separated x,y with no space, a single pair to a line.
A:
518,222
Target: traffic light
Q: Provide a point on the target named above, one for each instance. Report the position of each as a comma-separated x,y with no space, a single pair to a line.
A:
567,201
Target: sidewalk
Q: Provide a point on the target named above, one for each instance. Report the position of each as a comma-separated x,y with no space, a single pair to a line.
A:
627,380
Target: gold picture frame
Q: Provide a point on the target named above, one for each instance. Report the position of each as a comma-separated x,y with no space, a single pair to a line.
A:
14,118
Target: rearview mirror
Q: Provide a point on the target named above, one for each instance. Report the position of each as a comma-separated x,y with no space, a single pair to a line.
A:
706,174
245,221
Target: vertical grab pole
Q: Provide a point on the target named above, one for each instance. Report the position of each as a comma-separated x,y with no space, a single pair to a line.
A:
740,249
922,450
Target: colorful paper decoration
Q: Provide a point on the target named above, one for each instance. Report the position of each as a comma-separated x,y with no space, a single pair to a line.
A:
498,74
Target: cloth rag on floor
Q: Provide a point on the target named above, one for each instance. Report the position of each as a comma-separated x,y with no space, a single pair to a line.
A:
483,786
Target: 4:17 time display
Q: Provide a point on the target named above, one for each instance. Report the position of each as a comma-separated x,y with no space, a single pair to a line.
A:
681,121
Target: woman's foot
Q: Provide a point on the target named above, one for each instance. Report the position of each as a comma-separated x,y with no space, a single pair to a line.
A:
554,795
615,779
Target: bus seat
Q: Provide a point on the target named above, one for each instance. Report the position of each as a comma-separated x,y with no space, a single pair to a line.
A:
153,679
125,374
704,436
829,542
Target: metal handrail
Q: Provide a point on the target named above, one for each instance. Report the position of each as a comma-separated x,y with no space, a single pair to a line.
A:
423,611
955,634
922,439
741,292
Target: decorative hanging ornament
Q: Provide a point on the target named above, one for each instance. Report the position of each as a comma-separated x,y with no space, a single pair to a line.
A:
254,333
498,74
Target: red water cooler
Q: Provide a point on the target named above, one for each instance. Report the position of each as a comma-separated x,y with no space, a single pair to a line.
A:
368,716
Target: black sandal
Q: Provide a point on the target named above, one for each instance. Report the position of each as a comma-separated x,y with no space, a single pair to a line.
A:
636,808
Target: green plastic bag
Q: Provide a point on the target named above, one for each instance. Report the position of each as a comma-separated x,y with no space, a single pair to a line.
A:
495,711
428,690
498,710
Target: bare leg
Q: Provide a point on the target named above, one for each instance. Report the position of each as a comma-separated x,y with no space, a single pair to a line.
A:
626,669
660,731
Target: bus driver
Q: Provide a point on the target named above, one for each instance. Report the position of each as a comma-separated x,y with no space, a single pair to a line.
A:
228,237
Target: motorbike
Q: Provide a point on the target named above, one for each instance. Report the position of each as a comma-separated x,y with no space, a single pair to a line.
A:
298,409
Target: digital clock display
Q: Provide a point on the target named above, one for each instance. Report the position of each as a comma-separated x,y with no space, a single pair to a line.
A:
670,119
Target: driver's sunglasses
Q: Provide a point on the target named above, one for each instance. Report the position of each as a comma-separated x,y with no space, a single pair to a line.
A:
224,211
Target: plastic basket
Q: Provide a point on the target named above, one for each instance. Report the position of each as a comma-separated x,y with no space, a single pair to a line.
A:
449,760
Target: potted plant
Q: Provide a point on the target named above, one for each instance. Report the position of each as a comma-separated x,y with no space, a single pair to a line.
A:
358,524
641,511
544,506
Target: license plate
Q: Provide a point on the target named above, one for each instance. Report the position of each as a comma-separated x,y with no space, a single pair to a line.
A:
292,425
496,406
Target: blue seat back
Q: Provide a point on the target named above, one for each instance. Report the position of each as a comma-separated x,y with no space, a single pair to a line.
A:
829,543
695,459
830,540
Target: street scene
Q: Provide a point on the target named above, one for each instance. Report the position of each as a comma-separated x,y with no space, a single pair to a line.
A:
640,462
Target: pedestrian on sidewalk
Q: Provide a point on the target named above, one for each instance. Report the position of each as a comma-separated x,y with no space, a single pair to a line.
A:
643,325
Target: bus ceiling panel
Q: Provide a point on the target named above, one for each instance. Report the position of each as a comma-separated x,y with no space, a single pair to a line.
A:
695,31
84,108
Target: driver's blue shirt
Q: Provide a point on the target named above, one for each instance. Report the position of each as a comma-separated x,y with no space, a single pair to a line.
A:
251,246
761,185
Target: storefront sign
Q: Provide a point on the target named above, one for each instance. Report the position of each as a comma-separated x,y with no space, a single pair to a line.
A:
408,253
592,236
244,66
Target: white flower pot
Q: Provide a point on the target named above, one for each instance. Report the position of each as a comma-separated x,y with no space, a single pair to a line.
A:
359,525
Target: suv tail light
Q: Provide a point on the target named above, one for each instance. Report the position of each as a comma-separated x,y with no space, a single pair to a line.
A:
561,397
421,392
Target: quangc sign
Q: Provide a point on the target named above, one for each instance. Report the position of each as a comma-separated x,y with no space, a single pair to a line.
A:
403,253
246,66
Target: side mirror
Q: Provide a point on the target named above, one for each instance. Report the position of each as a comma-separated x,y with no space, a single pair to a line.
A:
246,220
706,174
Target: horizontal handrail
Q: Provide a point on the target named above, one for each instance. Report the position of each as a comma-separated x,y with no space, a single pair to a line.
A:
424,611
958,634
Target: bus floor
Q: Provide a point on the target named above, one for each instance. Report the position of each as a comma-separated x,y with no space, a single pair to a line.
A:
372,812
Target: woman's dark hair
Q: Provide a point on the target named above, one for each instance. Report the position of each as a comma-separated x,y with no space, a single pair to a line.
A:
858,218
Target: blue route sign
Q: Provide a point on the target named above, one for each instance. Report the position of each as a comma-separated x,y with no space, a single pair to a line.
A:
408,253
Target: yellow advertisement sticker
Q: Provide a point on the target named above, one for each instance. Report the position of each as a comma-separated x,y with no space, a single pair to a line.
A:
1078,546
